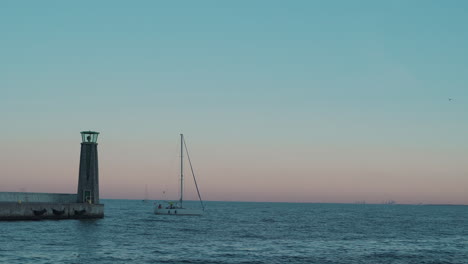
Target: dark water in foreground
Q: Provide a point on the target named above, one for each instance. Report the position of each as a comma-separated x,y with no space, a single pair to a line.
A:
246,233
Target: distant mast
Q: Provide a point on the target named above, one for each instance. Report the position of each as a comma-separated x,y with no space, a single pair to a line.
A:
146,193
181,168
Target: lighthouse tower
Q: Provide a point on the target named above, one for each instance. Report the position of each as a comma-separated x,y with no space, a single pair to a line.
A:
88,181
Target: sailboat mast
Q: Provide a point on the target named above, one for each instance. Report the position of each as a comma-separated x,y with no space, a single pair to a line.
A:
181,168
146,192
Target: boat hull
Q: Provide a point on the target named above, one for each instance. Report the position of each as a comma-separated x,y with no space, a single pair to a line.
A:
178,211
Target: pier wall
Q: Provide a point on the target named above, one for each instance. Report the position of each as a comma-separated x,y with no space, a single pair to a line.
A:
27,197
41,210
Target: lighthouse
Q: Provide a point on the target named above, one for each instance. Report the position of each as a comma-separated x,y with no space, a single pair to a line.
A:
88,179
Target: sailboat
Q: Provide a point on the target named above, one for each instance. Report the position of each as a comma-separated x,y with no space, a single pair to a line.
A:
177,208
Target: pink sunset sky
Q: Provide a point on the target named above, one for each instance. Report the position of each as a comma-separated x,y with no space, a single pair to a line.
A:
266,172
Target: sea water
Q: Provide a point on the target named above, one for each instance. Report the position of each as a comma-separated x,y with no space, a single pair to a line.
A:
237,232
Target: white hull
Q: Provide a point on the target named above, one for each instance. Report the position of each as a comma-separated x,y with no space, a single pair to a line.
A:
178,211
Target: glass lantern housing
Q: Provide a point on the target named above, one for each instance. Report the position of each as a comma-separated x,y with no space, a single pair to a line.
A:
89,136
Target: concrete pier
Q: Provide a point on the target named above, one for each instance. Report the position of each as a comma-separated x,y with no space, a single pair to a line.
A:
84,204
29,197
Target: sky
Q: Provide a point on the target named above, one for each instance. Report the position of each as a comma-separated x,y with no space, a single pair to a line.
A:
279,101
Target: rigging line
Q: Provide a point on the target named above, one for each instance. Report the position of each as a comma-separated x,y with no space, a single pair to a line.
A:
193,174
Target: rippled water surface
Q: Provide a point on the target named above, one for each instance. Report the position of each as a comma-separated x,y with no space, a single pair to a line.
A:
233,232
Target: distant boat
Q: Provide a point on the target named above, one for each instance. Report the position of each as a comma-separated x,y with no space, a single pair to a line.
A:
176,208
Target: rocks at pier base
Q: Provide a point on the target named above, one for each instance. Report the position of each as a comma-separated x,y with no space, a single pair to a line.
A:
39,211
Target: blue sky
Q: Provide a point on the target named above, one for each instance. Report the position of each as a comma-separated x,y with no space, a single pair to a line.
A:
301,87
